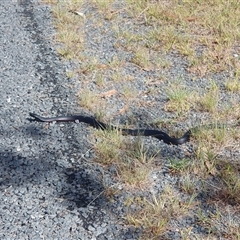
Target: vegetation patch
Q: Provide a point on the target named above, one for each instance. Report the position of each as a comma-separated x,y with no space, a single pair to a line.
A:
177,62
155,213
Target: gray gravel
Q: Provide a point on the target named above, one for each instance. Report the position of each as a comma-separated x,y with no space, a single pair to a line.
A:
48,190
50,187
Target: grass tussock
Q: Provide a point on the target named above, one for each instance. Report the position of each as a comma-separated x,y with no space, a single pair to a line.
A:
229,191
108,146
88,99
132,161
155,213
233,85
209,101
180,99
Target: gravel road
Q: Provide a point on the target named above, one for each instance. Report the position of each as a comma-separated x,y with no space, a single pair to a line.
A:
50,186
48,190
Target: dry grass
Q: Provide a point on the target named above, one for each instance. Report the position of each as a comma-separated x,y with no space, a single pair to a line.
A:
191,27
88,99
233,85
109,146
67,25
180,99
206,34
209,100
132,161
155,213
230,182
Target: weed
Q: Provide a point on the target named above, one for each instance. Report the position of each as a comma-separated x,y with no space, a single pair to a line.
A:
215,134
67,24
187,184
207,221
115,63
179,166
117,76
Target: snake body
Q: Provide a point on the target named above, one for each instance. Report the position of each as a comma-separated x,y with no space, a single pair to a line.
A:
160,135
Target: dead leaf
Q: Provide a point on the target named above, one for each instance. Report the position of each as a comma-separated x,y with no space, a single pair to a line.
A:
102,66
191,19
108,93
210,167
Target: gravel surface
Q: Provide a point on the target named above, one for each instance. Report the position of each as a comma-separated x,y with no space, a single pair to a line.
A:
48,190
50,186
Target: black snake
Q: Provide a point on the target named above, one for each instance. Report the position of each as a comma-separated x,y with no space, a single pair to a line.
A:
100,125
